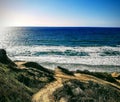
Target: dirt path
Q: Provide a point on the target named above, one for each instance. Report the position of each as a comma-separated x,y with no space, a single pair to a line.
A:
45,94
20,64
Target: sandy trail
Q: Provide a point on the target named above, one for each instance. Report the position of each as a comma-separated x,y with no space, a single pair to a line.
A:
20,64
45,94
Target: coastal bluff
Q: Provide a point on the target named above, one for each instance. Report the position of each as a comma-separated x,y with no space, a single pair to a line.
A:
22,81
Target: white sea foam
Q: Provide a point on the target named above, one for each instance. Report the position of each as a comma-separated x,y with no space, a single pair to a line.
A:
32,49
27,53
72,60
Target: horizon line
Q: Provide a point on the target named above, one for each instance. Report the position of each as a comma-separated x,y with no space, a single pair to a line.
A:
71,26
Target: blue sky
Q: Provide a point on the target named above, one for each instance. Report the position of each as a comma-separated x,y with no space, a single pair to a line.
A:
102,13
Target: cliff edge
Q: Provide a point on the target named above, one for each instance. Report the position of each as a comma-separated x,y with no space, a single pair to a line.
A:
22,81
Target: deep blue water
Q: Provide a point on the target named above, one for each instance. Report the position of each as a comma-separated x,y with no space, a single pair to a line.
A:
71,47
68,36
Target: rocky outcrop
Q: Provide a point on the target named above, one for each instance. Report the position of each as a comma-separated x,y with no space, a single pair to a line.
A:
4,58
78,91
19,84
60,70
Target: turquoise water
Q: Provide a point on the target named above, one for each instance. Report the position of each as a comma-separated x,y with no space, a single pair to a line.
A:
70,47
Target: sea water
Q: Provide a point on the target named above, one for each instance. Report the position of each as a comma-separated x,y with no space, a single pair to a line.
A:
83,48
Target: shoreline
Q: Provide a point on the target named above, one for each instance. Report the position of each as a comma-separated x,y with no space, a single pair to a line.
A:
75,67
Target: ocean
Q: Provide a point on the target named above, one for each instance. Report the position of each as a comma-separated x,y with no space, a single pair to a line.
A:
74,48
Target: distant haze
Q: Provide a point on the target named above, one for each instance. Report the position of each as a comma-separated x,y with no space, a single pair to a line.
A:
101,13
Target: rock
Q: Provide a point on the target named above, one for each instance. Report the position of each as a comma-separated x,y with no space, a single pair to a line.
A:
4,58
60,70
63,99
37,66
77,91
116,75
